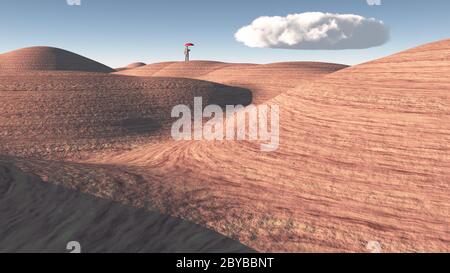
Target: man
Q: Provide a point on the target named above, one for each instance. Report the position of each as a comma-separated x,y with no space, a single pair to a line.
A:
186,53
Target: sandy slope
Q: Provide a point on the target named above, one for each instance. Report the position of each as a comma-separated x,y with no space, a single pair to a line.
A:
41,217
131,66
145,71
192,69
47,58
63,113
364,156
270,80
265,81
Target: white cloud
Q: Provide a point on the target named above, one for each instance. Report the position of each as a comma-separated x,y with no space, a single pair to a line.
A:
314,30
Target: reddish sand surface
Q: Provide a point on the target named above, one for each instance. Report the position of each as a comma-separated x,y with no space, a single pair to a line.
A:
145,71
363,156
47,58
190,69
41,217
265,81
131,66
67,114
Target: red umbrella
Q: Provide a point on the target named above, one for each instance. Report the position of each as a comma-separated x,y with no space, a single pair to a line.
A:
189,44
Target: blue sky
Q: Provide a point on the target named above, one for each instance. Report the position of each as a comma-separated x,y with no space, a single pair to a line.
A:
118,32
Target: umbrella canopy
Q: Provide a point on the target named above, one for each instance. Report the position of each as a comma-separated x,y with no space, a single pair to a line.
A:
189,44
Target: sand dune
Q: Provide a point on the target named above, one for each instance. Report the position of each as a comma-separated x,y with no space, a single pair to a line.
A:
131,66
51,216
265,81
47,58
270,80
67,113
363,154
192,69
135,65
145,71
364,157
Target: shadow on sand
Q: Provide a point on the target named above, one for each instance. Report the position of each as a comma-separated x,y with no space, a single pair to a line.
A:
40,217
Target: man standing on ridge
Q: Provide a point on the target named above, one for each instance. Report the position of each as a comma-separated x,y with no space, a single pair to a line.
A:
187,51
